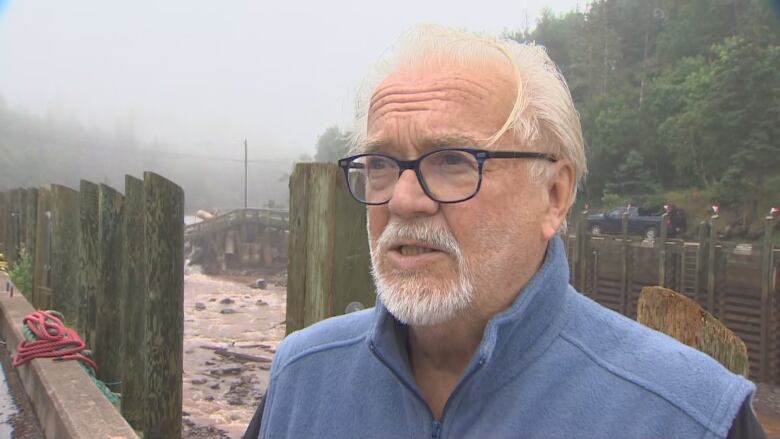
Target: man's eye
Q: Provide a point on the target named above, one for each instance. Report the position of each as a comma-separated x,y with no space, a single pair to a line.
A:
453,159
376,164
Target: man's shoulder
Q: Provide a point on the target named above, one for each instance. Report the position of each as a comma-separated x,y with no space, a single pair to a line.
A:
324,336
649,361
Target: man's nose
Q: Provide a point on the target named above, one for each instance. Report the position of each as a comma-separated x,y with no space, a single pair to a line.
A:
409,198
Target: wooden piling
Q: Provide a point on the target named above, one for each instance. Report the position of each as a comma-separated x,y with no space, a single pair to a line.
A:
624,285
21,210
108,324
711,265
13,228
662,250
3,222
701,262
88,259
65,252
134,317
328,258
164,248
41,297
578,276
31,229
767,300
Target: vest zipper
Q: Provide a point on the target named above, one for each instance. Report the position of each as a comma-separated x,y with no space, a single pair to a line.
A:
436,430
437,424
480,363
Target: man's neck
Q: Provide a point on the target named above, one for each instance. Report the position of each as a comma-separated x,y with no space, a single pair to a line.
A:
439,355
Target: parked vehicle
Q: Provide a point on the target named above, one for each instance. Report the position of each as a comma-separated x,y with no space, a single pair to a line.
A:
641,221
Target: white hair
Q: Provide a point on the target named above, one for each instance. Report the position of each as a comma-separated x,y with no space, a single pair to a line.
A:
543,116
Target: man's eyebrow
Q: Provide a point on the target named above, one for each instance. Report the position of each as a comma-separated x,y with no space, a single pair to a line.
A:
450,140
373,146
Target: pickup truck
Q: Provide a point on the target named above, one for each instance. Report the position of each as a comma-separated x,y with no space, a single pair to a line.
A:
640,222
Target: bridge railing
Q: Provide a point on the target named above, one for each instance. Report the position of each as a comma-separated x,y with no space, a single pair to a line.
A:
274,217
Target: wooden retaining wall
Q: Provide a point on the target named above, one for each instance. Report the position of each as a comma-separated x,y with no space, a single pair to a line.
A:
113,264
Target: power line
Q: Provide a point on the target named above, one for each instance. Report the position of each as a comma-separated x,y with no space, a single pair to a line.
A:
172,155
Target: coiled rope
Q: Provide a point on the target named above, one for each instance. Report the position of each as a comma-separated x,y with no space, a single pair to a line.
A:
52,339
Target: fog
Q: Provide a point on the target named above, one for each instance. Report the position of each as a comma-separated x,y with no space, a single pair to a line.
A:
97,89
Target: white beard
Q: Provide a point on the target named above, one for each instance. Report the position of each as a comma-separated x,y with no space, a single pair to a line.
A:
413,298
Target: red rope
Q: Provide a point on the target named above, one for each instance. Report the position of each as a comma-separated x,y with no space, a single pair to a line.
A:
54,340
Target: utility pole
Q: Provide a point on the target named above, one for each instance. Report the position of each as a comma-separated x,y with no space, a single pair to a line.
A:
246,173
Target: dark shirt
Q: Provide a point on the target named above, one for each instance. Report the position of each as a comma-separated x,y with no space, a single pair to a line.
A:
746,425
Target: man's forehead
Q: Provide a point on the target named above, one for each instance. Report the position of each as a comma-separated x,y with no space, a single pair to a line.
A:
439,107
425,142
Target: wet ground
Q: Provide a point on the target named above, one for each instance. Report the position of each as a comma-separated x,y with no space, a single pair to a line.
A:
230,336
17,419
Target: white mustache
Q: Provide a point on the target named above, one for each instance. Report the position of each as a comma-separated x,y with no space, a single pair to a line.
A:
427,233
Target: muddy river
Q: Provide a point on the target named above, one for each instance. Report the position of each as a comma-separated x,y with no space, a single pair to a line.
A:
231,332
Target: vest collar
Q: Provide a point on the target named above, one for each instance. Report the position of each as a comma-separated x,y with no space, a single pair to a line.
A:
512,339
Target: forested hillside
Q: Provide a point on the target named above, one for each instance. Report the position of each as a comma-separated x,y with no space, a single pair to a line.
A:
679,99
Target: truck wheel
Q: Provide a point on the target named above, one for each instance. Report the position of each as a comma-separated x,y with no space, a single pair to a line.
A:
595,229
651,233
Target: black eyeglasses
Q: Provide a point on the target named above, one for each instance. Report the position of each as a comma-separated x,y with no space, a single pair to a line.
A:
448,175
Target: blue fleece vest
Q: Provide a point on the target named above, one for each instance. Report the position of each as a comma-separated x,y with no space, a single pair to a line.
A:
553,365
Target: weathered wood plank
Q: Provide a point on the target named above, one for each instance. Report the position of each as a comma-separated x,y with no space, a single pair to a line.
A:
21,210
164,247
767,299
13,227
711,265
680,317
352,281
41,267
328,253
2,221
108,323
88,259
297,248
65,252
320,230
31,230
134,305
662,250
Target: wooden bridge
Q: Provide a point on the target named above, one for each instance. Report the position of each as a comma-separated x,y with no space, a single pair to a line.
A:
239,239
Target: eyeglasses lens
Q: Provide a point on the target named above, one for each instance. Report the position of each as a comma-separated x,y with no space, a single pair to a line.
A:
448,175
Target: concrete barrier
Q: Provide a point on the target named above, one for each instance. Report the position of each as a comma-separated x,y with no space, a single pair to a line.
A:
67,403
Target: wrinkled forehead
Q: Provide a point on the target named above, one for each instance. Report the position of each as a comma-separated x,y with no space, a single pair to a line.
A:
432,105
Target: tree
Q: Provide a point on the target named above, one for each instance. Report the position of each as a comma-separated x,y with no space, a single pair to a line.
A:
332,145
633,178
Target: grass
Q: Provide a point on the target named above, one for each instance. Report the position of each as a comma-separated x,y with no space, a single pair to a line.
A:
21,271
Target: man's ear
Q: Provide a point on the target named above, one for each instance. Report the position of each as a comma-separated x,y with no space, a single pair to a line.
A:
560,190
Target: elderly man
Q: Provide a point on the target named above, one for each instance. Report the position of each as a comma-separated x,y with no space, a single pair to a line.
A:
469,151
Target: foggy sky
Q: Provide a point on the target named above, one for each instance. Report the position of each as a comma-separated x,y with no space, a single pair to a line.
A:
201,76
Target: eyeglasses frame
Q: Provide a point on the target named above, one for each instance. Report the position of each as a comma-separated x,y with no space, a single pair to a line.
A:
480,155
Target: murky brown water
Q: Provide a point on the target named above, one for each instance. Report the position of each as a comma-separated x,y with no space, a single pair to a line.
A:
220,391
